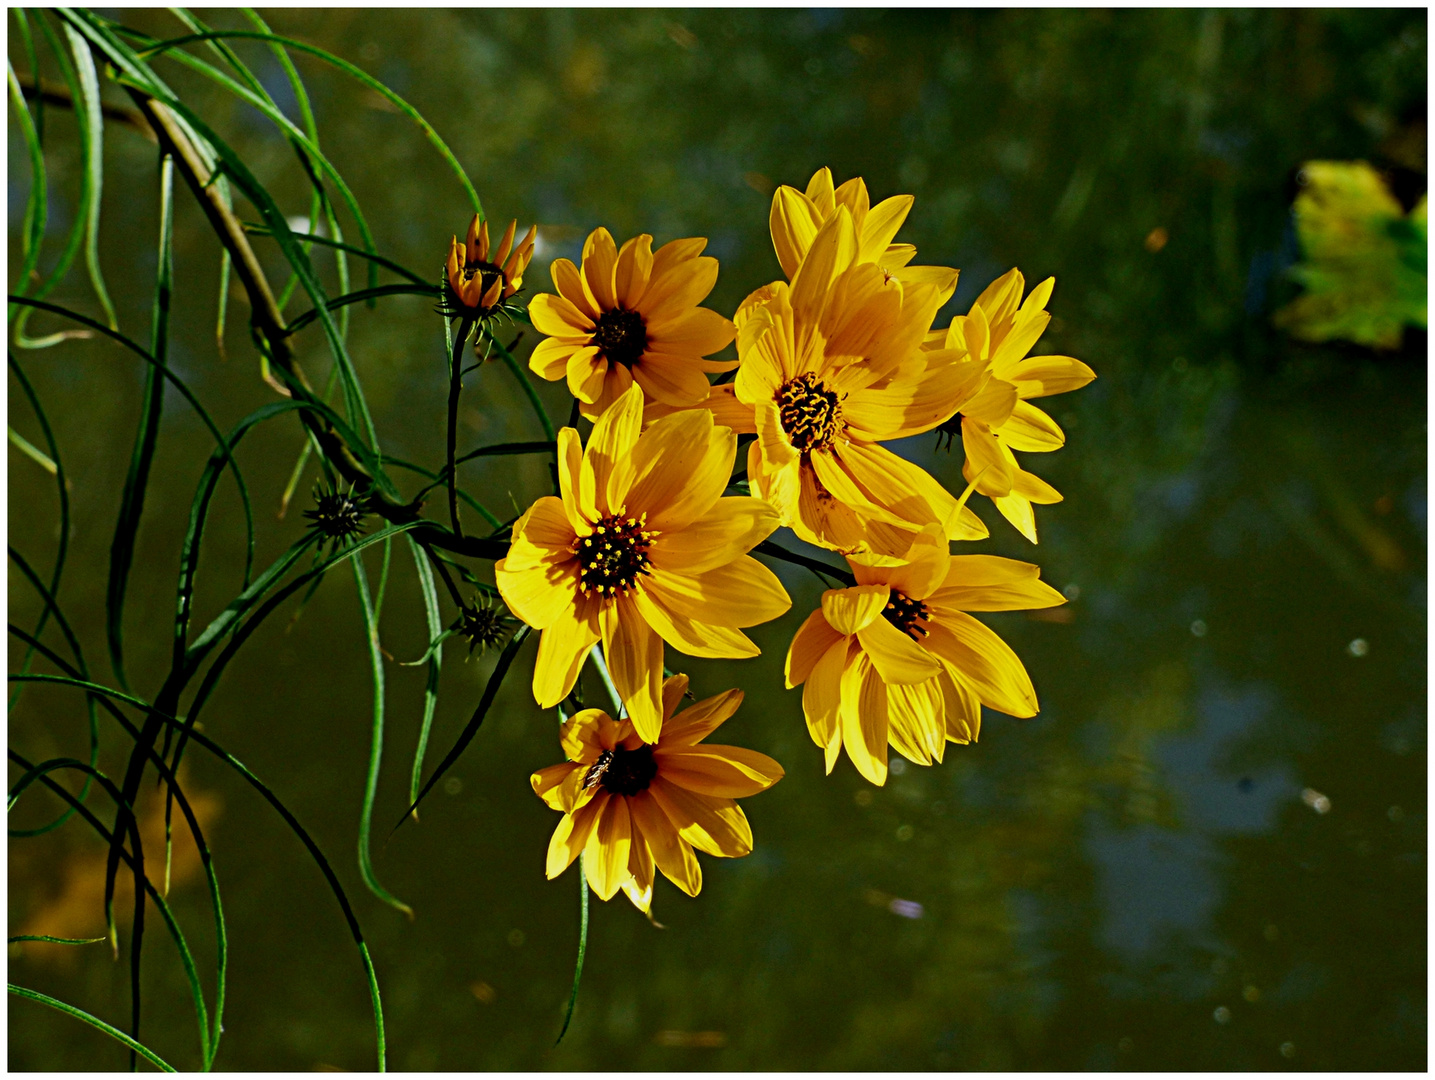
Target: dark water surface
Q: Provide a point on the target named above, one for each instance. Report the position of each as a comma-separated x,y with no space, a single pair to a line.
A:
1208,851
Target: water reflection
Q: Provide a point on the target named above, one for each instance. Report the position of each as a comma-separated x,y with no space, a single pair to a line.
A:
1133,879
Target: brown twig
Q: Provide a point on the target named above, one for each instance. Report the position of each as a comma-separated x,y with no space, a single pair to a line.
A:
52,93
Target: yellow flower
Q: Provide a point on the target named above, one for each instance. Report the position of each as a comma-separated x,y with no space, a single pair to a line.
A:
998,332
630,804
796,219
631,316
477,285
640,550
896,659
832,366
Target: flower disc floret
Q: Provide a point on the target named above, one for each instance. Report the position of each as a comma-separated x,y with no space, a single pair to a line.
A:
809,412
611,559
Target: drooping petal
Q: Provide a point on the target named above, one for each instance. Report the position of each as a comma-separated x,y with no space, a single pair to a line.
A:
635,660
963,709
585,373
850,610
985,464
672,380
864,720
692,636
605,856
716,826
985,661
897,658
822,696
572,833
639,885
561,651
673,855
813,638
915,724
725,772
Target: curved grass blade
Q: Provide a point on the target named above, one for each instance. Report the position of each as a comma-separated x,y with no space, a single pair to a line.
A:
505,661
582,948
312,238
22,25
122,547
376,748
196,833
36,202
299,322
51,606
350,70
95,1022
31,451
274,801
434,657
94,122
136,861
55,940
82,211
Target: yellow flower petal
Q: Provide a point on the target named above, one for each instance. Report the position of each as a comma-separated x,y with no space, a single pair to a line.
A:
897,658
539,595
557,317
864,720
726,772
881,225
541,536
963,709
832,252
822,696
639,886
676,251
985,464
677,471
673,855
850,610
1031,430
691,636
605,856
794,222
587,733
549,785
1042,376
569,283
572,834
635,264
976,584
700,719
733,527
1017,509
697,331
741,593
600,260
984,661
923,570
562,649
635,660
672,380
674,687
717,826
813,638
613,438
550,359
993,403
682,286
915,722
570,469
585,373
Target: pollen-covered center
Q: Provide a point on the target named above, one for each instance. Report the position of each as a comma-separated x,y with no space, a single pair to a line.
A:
614,554
629,771
810,413
907,615
622,335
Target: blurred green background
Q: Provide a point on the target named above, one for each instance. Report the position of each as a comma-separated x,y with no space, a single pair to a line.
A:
1208,851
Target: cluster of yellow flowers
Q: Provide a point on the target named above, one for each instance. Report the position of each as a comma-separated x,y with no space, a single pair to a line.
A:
643,546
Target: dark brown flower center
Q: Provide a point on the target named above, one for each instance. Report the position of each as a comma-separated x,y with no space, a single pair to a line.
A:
624,772
612,557
622,335
486,272
906,615
810,413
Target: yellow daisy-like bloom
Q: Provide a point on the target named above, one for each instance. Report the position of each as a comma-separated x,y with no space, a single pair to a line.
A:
630,804
477,284
896,659
797,217
640,549
998,332
831,367
631,315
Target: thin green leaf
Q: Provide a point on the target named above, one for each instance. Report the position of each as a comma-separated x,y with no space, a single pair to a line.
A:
122,547
94,122
311,238
299,322
500,670
376,747
56,940
582,948
434,656
95,1022
36,205
31,451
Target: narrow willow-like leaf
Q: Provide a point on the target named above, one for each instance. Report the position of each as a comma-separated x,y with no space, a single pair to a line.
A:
176,793
500,670
94,122
312,238
76,236
376,746
95,1022
299,322
55,940
582,948
274,801
354,72
41,772
434,657
36,204
122,547
31,451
